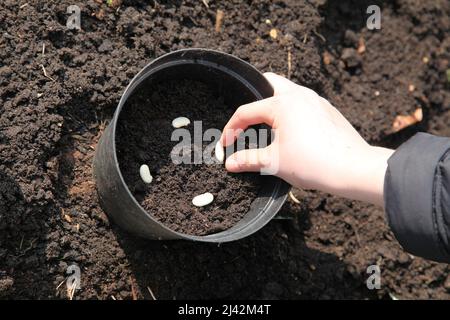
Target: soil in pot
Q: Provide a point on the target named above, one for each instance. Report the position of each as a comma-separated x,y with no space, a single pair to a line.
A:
144,137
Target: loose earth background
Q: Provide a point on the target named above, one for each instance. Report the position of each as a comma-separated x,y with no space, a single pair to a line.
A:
50,124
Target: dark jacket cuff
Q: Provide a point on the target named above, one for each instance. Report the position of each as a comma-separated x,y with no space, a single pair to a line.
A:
417,196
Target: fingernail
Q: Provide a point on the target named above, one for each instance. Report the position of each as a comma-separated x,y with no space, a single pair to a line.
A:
231,164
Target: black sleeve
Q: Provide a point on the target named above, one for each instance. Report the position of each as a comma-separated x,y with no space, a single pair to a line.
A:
417,196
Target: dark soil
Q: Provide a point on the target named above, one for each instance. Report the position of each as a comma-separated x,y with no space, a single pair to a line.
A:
49,126
144,136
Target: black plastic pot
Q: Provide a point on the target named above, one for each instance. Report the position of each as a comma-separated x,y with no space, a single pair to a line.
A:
239,82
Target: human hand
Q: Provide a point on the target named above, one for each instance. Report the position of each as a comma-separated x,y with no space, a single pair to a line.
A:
315,147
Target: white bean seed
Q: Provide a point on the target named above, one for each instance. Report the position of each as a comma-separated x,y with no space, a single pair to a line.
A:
146,176
180,122
220,154
203,199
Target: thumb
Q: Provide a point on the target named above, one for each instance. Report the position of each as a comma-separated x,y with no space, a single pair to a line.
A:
249,160
280,84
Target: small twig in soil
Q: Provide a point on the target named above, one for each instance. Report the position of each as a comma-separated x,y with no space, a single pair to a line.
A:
71,291
289,63
194,21
112,297
393,297
21,243
24,5
29,247
320,36
205,2
280,256
219,20
45,73
79,122
355,231
62,282
270,67
361,46
293,198
151,293
133,290
233,260
155,4
357,236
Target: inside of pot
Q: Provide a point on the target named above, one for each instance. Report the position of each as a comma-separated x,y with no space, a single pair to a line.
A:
229,90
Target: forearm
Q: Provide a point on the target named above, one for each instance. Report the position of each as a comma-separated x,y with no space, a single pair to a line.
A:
364,179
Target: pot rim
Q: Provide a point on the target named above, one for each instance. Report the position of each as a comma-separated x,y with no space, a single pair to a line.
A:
140,77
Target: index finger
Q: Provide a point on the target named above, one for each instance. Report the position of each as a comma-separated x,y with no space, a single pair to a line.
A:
247,115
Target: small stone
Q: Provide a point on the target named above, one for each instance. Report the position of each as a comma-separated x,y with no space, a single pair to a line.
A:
403,258
273,33
351,58
106,46
327,58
